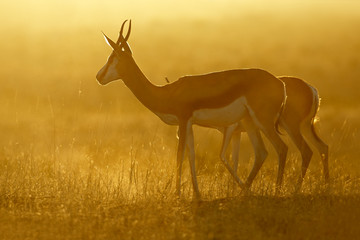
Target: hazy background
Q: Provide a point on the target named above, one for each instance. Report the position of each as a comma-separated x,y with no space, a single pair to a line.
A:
52,50
84,161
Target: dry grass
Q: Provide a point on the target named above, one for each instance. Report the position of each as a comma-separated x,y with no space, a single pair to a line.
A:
80,161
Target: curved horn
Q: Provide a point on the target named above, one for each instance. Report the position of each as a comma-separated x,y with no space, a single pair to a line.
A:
121,32
129,31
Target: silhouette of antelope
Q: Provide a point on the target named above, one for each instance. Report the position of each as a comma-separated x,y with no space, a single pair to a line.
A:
217,100
298,119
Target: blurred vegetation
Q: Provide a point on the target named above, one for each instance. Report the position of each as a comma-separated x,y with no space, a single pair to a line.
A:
79,160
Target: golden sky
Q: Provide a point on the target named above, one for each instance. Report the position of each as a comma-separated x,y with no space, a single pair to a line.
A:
40,14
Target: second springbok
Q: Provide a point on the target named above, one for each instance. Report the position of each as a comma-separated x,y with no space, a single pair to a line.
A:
218,100
298,119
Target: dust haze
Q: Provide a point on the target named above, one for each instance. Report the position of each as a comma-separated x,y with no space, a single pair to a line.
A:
80,160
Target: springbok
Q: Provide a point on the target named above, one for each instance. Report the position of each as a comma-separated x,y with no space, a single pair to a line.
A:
218,100
298,119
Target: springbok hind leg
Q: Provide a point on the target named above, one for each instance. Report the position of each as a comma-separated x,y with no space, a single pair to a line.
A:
323,149
228,131
281,149
306,153
259,149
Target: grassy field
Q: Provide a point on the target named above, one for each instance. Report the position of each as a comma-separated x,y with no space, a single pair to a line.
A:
83,161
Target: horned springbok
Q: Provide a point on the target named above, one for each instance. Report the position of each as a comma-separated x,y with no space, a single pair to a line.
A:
298,119
218,100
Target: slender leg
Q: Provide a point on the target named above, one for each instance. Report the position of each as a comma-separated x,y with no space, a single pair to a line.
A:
293,130
227,135
280,147
190,145
180,155
226,140
236,137
322,148
259,148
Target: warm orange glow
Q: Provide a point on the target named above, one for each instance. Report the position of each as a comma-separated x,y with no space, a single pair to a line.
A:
81,160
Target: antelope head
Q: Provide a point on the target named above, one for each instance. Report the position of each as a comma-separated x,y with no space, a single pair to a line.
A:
119,60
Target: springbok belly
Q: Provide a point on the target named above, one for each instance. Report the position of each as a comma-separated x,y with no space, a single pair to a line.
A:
168,118
213,117
221,117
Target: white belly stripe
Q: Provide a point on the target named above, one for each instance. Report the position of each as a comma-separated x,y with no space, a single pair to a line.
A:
213,117
220,117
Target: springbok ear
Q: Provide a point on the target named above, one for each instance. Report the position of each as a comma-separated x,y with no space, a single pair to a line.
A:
126,47
114,46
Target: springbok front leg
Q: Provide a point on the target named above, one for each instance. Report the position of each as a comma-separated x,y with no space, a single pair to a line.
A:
180,155
191,149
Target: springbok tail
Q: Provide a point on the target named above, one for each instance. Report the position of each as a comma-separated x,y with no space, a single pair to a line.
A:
316,107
